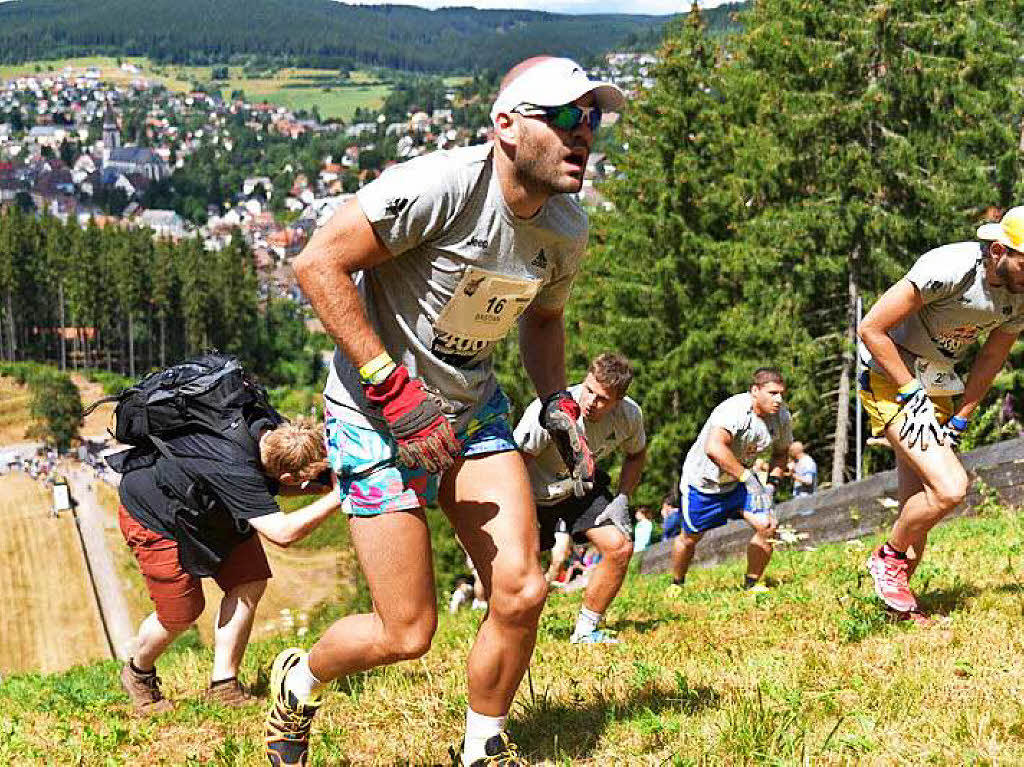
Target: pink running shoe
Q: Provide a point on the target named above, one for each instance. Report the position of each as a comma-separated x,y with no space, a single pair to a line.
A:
890,576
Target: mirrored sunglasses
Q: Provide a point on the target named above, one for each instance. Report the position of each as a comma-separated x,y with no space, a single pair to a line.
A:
565,117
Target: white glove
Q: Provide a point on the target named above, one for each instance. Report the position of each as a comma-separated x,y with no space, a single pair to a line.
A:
617,512
919,426
760,497
954,431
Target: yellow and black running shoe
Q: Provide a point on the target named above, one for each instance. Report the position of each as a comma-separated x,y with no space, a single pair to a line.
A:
286,731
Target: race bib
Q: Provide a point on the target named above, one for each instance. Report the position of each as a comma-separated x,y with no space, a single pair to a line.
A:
482,310
938,379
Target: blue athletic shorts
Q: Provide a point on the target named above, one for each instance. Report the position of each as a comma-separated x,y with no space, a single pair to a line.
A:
706,511
363,459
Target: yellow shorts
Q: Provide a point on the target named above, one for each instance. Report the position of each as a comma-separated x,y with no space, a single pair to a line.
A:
878,395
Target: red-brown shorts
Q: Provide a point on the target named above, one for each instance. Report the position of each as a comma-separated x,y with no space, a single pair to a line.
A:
177,595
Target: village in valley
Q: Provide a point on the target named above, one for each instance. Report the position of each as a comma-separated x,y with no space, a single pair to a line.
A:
77,146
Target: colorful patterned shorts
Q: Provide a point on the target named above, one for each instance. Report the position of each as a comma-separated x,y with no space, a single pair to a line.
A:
371,482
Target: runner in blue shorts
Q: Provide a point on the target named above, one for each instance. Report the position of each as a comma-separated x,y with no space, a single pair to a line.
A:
418,279
717,483
706,511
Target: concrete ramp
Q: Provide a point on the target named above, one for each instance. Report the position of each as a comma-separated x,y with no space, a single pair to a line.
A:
857,509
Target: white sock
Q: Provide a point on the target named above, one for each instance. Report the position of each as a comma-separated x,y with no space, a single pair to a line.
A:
300,681
587,622
479,729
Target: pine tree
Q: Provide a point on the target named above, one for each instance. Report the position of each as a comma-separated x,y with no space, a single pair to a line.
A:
893,126
658,280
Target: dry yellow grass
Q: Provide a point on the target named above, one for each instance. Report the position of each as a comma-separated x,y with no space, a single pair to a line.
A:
99,420
49,620
14,417
14,409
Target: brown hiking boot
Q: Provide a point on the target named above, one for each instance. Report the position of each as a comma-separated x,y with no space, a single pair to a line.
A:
144,692
229,692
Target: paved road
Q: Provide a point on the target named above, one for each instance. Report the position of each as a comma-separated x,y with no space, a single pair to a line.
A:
91,520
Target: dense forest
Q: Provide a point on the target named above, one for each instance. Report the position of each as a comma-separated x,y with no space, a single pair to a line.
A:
319,33
132,304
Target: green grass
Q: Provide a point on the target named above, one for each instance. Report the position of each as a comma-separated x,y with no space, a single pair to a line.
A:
812,672
333,102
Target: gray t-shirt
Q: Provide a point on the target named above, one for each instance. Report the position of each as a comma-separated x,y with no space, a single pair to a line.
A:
622,426
959,305
465,269
751,434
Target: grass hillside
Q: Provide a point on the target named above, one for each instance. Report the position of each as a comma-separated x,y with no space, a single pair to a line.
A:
811,673
47,622
14,416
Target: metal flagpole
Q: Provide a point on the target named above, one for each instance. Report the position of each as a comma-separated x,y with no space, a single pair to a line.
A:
860,409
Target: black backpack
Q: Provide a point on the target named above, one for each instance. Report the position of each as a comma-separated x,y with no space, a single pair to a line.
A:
210,392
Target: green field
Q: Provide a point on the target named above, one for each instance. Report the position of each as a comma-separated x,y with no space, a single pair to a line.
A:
292,88
334,102
811,673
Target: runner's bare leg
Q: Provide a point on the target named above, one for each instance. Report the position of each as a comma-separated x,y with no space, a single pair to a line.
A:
759,550
153,638
607,577
683,549
489,503
941,484
404,615
232,627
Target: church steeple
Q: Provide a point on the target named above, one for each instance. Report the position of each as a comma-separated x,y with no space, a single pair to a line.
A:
111,133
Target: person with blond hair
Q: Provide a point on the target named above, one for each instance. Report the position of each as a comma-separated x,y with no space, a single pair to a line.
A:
418,279
194,512
911,341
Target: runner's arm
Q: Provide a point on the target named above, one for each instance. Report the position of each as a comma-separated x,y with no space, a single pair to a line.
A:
343,246
989,362
719,450
896,304
542,348
285,529
632,468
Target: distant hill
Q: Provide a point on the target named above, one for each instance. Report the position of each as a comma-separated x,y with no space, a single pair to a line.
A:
315,32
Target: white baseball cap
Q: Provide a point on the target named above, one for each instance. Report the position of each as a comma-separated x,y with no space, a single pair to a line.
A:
1009,231
553,82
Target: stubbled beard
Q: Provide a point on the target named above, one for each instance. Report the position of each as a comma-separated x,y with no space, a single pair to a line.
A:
1001,271
538,173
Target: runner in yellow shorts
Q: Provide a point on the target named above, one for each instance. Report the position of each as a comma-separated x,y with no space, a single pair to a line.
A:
912,339
878,396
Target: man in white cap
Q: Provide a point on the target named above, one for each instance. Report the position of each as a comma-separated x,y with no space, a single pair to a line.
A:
417,279
911,340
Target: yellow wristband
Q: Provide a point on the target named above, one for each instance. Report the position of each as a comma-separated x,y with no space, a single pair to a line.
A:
743,476
371,372
910,386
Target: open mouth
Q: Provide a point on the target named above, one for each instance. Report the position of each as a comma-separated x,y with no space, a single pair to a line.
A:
578,160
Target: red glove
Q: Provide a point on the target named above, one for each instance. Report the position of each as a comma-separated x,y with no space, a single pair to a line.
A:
559,414
424,436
